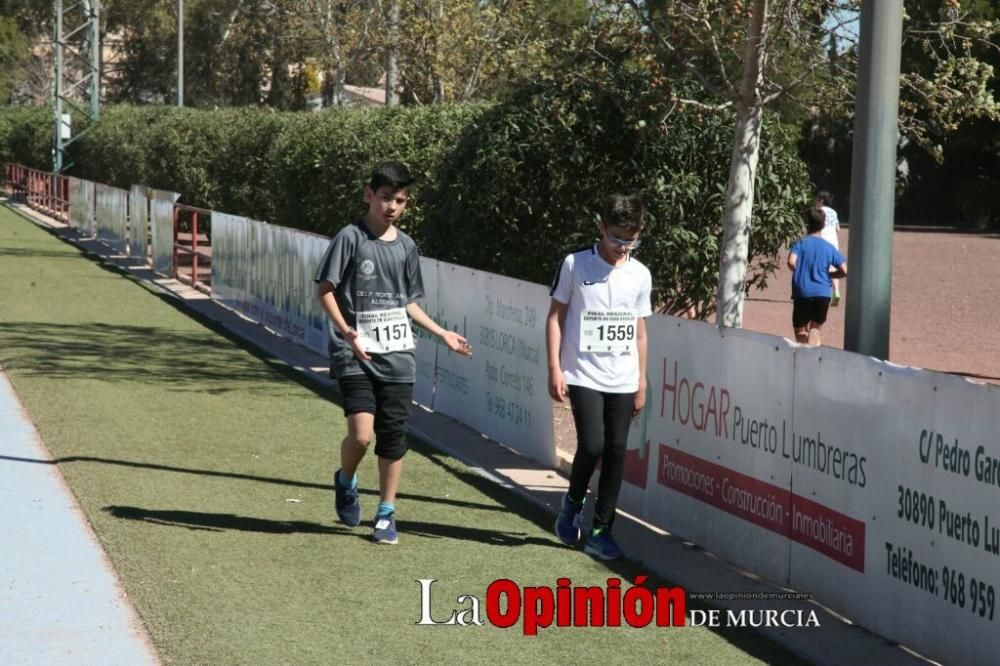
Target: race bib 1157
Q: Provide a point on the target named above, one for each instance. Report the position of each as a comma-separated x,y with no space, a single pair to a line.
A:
383,331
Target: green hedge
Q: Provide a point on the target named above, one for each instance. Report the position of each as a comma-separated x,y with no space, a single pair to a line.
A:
509,188
26,136
299,170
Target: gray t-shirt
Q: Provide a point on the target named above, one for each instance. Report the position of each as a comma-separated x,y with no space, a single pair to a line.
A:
370,274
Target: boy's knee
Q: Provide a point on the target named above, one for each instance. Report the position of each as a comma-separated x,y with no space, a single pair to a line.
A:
592,447
362,440
615,449
391,445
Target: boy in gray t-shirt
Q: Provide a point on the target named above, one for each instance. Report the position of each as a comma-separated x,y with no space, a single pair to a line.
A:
368,283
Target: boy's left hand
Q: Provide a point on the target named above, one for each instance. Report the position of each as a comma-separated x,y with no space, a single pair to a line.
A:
457,343
639,401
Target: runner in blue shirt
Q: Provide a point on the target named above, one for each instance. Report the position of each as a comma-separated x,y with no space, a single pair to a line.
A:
815,263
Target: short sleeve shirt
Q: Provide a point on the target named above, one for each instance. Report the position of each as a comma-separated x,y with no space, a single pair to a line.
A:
369,274
814,258
587,282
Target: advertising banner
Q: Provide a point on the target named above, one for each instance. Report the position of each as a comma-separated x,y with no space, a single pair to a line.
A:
266,272
138,223
711,461
81,205
907,464
111,217
161,218
502,390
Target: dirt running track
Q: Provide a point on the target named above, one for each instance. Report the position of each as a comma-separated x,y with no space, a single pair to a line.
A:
945,303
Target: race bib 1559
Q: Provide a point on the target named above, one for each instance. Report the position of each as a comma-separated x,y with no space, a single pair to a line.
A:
607,330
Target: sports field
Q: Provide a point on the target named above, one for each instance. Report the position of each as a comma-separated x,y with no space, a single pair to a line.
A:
204,469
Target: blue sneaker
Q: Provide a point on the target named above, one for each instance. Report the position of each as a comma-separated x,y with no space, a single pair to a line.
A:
346,502
568,521
602,546
385,529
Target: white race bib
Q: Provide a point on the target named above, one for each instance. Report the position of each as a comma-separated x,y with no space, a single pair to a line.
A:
383,331
607,330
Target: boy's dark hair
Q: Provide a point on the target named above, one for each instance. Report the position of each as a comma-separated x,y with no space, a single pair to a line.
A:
625,211
825,198
815,220
394,174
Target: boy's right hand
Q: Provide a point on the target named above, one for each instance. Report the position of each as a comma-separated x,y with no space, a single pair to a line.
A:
557,386
354,338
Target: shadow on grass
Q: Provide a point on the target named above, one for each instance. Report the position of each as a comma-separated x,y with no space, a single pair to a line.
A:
248,477
222,522
27,253
183,360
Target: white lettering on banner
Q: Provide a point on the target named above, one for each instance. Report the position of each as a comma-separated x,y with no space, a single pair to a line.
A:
383,331
607,330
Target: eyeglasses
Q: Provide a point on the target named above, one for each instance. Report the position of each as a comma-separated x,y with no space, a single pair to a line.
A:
624,242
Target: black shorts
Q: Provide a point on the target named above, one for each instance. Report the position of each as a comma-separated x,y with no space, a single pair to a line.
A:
807,310
391,404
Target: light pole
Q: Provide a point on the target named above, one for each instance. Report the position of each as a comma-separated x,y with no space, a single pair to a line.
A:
180,52
873,173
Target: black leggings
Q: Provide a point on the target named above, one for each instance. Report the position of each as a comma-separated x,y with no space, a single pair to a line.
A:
602,423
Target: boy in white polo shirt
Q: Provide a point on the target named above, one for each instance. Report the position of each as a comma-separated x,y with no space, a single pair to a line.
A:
596,339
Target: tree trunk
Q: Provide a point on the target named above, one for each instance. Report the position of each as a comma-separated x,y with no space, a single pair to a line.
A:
391,70
436,77
737,213
332,90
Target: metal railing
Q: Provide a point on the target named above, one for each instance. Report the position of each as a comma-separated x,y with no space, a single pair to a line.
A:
43,191
48,193
193,246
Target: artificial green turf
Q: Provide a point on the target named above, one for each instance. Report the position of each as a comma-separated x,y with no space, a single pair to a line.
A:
204,470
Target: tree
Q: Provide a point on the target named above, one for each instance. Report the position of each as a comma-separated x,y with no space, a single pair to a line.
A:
25,34
784,62
342,32
13,54
460,51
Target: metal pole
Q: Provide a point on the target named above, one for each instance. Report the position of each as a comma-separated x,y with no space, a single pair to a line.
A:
95,59
873,173
180,52
57,143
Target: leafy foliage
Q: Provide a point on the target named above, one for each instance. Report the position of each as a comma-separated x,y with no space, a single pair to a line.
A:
304,171
26,136
527,182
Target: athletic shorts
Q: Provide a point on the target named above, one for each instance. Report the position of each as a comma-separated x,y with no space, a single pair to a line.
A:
391,404
807,310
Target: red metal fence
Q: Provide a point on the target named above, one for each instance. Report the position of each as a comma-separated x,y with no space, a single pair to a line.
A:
193,246
43,191
48,193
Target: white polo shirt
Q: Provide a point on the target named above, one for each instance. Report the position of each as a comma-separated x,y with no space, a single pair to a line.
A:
592,287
